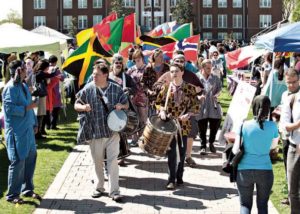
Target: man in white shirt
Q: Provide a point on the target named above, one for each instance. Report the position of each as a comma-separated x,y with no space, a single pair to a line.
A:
290,122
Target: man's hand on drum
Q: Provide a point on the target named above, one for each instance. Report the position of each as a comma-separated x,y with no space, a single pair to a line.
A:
162,114
120,106
184,117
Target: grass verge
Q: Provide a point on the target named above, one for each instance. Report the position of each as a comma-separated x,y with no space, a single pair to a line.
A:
52,152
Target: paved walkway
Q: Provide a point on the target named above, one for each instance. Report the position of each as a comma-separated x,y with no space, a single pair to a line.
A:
142,182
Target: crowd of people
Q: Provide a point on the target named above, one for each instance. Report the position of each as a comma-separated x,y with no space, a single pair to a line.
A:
178,90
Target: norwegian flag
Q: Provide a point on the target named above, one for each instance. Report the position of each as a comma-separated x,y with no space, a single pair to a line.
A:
188,45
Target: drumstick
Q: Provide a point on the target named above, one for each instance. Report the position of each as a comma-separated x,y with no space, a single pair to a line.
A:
167,98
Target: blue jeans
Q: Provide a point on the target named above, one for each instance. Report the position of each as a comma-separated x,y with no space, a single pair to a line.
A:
176,171
263,179
20,175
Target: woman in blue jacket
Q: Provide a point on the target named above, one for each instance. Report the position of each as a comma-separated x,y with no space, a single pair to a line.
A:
255,167
20,124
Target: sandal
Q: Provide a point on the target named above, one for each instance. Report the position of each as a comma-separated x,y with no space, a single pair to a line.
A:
16,200
190,162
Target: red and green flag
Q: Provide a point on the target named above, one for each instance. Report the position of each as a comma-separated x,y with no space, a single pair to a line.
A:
115,32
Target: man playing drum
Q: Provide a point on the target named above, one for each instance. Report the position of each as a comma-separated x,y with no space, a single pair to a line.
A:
177,100
96,99
118,75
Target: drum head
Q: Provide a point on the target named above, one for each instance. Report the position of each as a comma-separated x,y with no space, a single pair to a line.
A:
116,120
167,125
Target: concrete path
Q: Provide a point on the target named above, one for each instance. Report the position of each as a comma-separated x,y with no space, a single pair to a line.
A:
142,182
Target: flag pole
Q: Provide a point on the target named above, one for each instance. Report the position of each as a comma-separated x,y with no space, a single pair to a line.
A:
135,26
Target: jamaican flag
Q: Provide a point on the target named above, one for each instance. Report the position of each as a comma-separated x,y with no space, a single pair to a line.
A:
80,62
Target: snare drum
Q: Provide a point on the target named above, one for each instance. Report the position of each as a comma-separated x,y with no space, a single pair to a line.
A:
123,121
158,135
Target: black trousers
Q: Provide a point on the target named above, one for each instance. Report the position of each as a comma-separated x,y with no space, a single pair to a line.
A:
54,119
285,149
214,125
176,170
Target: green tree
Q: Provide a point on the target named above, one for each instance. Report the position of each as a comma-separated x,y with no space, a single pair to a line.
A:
73,27
117,6
183,12
287,8
296,12
13,17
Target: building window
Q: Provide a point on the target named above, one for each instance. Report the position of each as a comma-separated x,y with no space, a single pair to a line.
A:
82,4
207,3
97,19
148,22
265,21
237,3
207,21
222,21
39,4
39,20
237,21
222,35
156,3
173,3
82,22
67,21
265,3
68,4
207,35
237,35
222,3
128,3
97,3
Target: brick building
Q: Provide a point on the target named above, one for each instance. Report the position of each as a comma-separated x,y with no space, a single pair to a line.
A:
215,19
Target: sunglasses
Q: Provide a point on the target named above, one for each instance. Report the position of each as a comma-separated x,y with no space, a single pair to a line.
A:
118,63
99,62
179,61
215,54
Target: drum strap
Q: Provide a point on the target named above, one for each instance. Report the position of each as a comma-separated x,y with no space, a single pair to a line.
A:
101,99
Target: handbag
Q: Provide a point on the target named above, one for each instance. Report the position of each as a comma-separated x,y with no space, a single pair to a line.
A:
40,89
230,166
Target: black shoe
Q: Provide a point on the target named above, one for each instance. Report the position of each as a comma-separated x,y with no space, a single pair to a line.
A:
121,163
179,182
285,201
212,148
117,198
43,132
55,128
203,151
133,143
39,136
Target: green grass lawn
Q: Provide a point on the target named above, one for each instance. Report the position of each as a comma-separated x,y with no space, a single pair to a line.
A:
279,190
52,153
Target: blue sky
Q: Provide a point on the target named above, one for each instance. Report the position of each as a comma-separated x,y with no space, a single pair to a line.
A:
6,5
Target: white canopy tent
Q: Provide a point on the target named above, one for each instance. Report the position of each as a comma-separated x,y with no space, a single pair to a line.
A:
13,38
51,33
